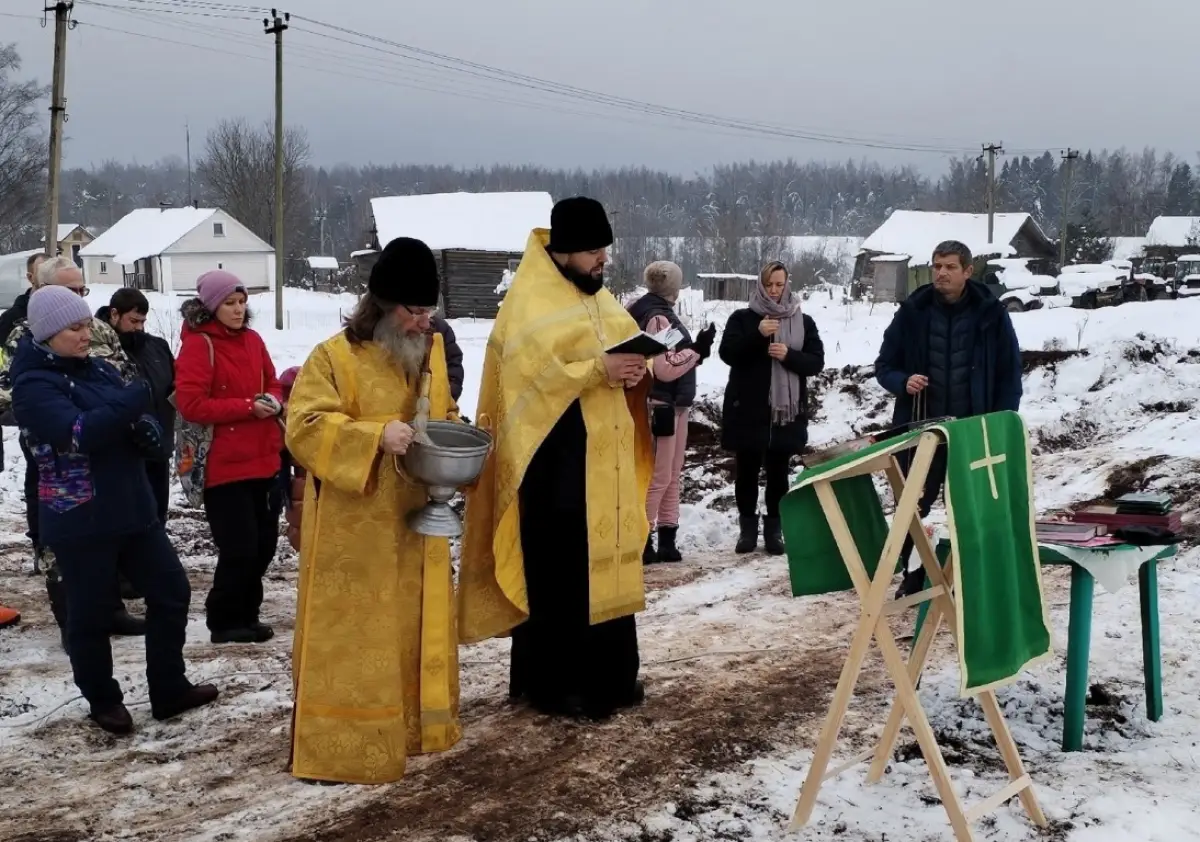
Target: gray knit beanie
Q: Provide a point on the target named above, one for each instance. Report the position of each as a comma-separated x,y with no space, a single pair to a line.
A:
54,309
663,278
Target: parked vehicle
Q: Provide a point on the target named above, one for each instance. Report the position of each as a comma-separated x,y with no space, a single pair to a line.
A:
1187,275
1020,289
1092,285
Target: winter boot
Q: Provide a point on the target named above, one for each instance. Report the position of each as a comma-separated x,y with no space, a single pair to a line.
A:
772,536
263,631
114,719
125,624
912,583
190,699
666,544
748,539
649,556
58,607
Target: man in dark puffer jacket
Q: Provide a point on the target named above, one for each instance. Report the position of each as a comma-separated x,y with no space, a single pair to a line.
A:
950,351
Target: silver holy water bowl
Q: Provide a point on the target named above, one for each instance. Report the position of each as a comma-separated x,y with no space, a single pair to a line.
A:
454,458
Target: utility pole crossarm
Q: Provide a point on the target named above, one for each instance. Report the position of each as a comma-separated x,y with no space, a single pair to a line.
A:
276,25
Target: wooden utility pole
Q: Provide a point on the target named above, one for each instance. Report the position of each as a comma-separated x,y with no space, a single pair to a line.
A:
58,114
991,149
275,25
1068,170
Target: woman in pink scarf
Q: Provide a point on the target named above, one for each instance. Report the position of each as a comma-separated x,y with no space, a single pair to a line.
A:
770,347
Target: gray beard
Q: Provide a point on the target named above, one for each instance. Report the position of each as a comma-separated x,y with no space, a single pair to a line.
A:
407,352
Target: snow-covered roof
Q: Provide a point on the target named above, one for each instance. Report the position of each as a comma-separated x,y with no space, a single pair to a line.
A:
472,221
145,232
720,275
918,233
64,231
362,252
1175,231
317,261
1127,248
1190,257
891,258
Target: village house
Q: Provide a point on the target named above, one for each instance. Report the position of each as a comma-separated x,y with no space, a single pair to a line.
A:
475,238
71,240
895,259
166,250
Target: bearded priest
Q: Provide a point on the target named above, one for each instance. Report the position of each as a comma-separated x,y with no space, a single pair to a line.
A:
374,661
556,524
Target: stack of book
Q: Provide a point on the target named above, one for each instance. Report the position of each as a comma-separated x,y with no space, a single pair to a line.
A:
1141,509
1067,532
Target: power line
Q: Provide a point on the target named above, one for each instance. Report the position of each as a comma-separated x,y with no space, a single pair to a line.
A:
440,61
529,82
435,65
486,96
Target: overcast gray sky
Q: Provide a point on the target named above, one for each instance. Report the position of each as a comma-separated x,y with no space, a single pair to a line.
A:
1034,75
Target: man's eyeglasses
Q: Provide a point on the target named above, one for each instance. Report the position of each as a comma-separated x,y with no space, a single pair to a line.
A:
420,312
82,292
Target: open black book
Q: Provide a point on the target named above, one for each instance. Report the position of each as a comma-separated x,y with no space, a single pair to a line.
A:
647,344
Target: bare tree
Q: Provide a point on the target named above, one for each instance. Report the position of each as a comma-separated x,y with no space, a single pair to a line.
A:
237,172
23,154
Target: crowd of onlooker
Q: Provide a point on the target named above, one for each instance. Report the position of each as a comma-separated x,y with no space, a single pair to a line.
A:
107,413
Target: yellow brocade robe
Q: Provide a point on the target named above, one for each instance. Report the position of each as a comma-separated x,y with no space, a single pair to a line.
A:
545,352
374,662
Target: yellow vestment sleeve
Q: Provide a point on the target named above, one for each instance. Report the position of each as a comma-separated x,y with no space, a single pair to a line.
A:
322,437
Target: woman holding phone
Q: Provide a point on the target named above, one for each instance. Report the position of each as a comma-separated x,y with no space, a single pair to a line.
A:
770,348
224,378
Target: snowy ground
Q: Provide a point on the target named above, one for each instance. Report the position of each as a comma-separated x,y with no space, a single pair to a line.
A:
739,673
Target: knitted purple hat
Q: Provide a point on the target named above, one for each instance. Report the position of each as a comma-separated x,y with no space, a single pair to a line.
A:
215,285
54,309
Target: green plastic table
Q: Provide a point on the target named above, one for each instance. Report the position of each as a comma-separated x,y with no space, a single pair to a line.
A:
1079,637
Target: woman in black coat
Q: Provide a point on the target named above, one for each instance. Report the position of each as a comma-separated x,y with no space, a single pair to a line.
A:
770,348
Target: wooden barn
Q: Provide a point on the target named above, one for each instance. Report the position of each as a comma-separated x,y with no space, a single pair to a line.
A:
724,286
475,238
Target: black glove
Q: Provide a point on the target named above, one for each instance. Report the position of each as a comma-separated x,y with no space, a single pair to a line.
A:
704,342
148,436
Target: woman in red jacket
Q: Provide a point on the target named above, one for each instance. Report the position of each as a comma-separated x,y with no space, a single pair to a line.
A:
224,378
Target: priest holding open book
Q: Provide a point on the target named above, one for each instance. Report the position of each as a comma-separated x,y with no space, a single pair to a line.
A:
556,524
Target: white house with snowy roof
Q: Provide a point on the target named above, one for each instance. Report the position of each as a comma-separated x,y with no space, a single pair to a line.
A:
475,237
915,234
167,249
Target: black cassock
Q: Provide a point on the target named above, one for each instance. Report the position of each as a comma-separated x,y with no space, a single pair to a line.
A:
560,662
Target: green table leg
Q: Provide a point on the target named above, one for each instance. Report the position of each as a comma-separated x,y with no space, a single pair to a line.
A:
1079,640
1151,655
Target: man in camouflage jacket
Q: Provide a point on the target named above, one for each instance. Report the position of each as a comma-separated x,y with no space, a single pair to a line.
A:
106,345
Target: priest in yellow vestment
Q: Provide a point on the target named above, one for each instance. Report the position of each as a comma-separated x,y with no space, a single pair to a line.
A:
556,524
374,660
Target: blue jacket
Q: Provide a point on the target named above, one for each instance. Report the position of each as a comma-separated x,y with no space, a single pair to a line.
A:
995,380
77,416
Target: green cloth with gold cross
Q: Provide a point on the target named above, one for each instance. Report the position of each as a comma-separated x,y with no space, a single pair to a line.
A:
1002,620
